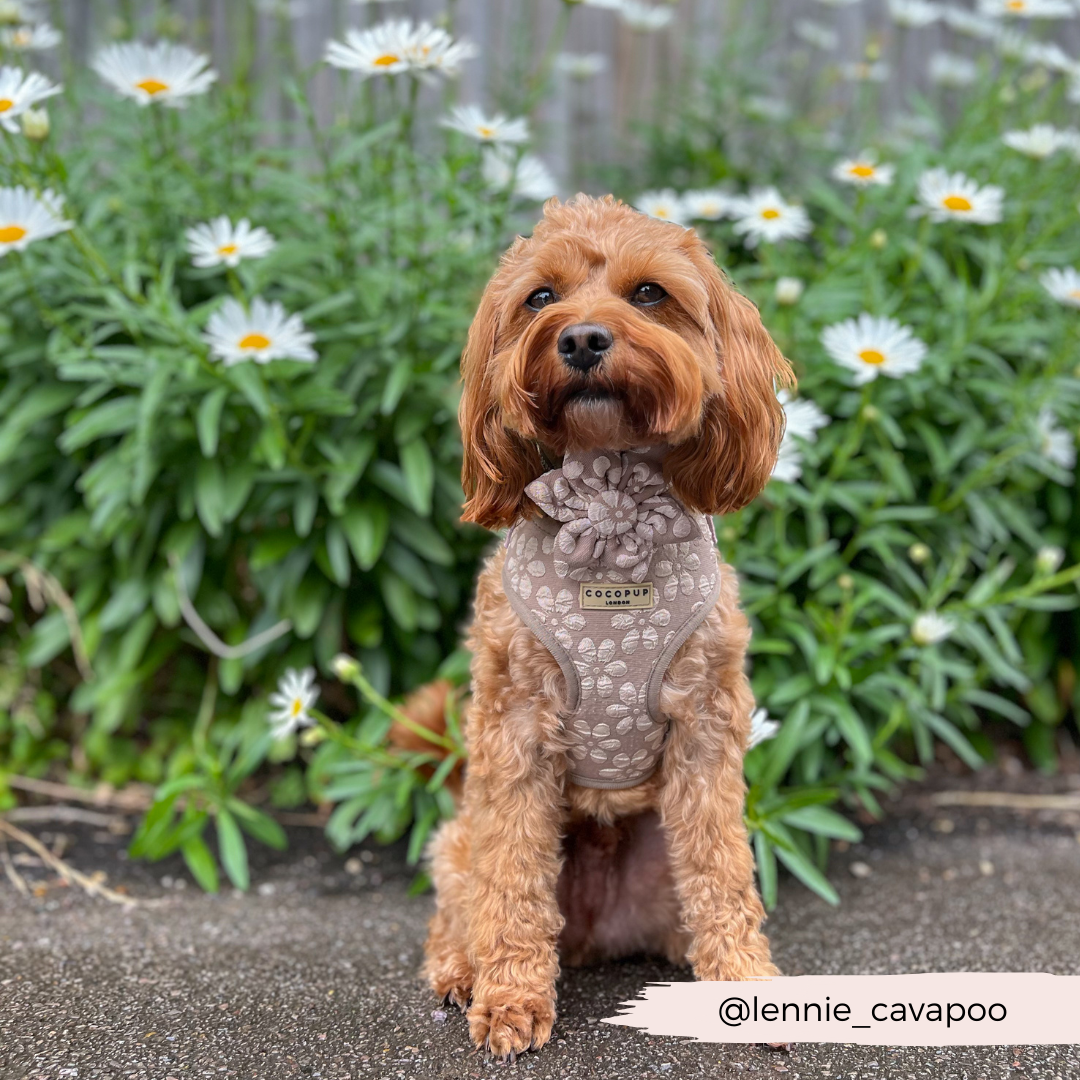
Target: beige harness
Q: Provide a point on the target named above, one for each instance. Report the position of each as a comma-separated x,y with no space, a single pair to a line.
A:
613,577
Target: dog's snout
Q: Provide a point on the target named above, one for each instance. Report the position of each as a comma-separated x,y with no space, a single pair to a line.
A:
583,346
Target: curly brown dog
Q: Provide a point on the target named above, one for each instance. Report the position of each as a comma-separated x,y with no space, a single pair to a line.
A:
605,331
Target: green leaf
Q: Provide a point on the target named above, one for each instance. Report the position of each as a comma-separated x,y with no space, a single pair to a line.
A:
823,822
233,849
366,528
808,874
259,825
201,863
208,420
210,497
419,472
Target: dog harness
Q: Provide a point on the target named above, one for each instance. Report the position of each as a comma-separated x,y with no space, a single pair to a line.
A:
612,577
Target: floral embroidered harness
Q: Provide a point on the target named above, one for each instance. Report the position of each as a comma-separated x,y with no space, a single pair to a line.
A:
613,577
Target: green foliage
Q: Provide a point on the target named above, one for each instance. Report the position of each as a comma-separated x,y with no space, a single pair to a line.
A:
137,471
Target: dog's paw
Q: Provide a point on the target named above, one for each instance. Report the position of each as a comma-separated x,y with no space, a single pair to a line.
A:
510,1028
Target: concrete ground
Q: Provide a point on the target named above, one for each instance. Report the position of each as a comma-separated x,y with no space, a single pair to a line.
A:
313,974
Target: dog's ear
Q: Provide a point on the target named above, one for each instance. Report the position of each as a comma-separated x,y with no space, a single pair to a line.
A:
497,463
729,461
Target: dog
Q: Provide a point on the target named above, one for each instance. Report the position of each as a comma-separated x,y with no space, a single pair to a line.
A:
609,342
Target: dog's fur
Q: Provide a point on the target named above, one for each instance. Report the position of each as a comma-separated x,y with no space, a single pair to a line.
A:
534,865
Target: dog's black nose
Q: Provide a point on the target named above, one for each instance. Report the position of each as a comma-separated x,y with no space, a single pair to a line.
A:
583,346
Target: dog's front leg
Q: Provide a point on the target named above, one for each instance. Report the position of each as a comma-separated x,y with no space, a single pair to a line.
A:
701,806
515,803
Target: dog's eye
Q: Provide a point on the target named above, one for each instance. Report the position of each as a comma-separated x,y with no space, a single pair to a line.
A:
647,294
541,298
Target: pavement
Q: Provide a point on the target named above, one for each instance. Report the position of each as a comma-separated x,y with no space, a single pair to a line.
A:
313,973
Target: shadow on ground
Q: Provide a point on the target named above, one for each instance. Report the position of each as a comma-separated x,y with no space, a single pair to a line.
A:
313,974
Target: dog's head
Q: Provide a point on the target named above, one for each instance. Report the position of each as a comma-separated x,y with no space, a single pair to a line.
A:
607,329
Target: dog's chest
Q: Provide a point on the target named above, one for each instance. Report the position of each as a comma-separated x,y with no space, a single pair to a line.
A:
613,628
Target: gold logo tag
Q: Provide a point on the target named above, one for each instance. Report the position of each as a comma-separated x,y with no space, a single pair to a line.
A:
617,596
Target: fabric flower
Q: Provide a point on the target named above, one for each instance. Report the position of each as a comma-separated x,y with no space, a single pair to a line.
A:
614,508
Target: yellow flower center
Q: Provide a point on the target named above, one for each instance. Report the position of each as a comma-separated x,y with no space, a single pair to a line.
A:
863,172
227,249
485,132
20,38
770,214
1016,5
254,341
956,202
1075,294
386,60
661,212
297,707
152,86
872,356
5,104
11,234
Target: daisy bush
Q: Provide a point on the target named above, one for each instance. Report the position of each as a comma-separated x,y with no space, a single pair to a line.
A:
910,571
229,350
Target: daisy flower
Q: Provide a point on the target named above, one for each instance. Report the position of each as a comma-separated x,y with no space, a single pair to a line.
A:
1063,285
665,205
968,22
914,13
162,72
709,205
929,628
398,46
956,196
35,124
950,69
871,346
789,290
863,171
219,242
31,38
764,215
530,177
20,91
1040,141
644,17
265,333
607,5
470,120
804,417
1048,55
26,217
581,65
789,462
1055,443
761,728
814,33
1028,9
864,71
292,701
16,12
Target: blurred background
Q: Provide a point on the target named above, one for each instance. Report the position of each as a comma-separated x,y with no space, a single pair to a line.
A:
240,246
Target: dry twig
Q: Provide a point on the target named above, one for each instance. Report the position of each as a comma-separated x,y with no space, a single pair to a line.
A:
1006,799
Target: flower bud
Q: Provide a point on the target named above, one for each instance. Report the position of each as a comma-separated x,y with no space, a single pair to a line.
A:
919,553
346,668
846,582
312,736
878,239
1048,559
789,290
35,124
870,413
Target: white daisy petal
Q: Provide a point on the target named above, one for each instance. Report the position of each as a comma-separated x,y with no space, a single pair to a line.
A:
292,702
864,71
863,171
266,332
581,65
1027,9
665,205
1040,141
31,37
471,120
954,196
1063,285
399,46
951,69
26,217
1055,443
765,215
645,17
220,243
709,205
914,13
929,628
761,728
502,168
163,73
871,346
20,91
